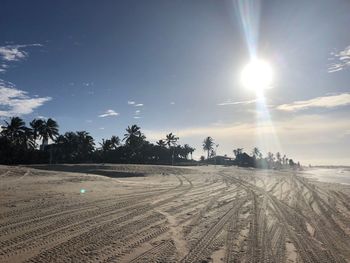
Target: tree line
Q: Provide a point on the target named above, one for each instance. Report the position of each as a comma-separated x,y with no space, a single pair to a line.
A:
20,144
255,159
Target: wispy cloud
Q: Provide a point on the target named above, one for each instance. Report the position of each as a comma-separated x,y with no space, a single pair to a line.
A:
237,102
3,67
108,113
15,52
16,102
137,112
133,103
342,60
137,117
319,102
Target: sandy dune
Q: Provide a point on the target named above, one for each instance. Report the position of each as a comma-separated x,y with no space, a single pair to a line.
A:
167,214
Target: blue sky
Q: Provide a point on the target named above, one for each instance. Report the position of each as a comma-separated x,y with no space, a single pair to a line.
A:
174,66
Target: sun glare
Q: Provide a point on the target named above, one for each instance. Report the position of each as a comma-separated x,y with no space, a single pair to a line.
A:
257,76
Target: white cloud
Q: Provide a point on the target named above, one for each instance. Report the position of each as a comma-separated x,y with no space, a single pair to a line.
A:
137,112
237,102
319,102
342,59
108,113
131,102
15,102
172,103
137,117
15,52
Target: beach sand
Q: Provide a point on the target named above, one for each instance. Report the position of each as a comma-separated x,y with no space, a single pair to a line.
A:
139,213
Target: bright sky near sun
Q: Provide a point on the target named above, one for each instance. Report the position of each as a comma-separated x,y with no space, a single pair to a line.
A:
176,66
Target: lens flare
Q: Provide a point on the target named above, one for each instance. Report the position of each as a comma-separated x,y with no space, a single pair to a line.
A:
257,75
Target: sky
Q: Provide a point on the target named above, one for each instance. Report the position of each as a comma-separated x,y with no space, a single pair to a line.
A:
175,66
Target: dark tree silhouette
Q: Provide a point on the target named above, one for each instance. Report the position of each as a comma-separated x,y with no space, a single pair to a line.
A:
115,142
106,145
208,145
161,143
45,129
36,125
17,145
187,150
256,152
133,136
237,152
191,150
14,130
171,139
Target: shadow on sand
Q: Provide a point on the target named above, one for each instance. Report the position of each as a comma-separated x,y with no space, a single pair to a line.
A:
103,170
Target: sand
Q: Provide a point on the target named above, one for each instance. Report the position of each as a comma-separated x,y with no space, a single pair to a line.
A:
135,213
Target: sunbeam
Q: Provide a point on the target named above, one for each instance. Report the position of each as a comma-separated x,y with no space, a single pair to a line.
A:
257,75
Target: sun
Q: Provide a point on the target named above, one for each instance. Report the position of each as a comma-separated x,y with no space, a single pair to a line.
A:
257,75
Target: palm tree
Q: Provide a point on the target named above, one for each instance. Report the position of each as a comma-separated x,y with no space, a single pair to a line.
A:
237,152
133,134
191,150
270,159
278,157
36,125
256,152
171,139
65,146
46,130
18,134
115,141
85,144
284,159
14,130
28,139
187,150
161,143
208,144
106,145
